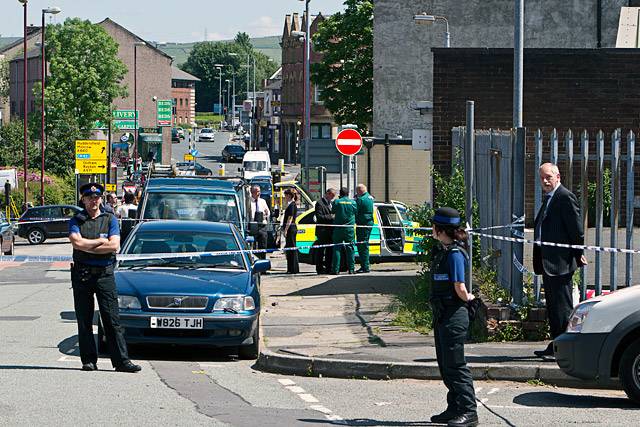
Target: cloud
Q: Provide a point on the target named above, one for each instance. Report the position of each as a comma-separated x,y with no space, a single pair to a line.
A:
264,26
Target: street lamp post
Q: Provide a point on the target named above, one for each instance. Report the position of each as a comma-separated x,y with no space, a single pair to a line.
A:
135,101
423,18
219,68
24,94
228,96
52,11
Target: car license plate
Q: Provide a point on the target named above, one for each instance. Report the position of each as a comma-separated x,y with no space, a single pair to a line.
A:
176,323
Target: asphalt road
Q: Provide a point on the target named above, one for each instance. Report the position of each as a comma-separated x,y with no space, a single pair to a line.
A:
41,384
210,153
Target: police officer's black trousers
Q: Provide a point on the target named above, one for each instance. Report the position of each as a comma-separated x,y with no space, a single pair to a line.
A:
85,284
558,293
450,332
260,237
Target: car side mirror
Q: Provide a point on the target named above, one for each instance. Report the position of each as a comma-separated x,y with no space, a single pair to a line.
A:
261,265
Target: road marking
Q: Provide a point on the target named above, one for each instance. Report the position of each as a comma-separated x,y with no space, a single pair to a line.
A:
334,418
321,408
295,389
493,390
382,403
308,398
286,381
210,365
479,389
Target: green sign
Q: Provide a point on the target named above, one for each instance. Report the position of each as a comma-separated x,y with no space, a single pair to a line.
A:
122,120
165,110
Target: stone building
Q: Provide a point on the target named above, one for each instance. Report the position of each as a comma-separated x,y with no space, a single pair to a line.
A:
183,91
292,124
403,61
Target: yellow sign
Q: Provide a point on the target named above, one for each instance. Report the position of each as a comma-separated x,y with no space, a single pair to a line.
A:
91,149
188,158
110,187
90,167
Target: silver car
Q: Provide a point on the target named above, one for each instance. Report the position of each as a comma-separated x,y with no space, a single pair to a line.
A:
7,237
206,134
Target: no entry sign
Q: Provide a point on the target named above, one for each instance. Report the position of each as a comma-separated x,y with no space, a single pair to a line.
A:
349,142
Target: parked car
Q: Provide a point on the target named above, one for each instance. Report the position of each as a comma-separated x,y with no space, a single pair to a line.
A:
40,223
175,136
207,134
602,341
7,238
199,169
180,132
204,300
255,163
233,152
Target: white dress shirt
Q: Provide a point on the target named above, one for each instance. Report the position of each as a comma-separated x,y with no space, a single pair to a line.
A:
259,205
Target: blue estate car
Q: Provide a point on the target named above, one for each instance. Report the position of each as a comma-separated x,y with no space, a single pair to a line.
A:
203,300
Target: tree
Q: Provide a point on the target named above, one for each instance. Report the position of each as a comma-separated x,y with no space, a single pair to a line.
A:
4,79
202,62
243,40
346,72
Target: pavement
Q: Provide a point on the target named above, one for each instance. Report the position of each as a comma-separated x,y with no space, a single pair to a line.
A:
321,325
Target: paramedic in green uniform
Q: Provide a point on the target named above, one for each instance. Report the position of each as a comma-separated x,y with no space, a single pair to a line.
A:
344,210
364,218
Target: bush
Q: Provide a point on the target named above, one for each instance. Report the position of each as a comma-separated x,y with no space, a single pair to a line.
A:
59,190
412,309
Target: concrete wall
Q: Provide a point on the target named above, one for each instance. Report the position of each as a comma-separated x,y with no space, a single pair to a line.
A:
153,78
402,50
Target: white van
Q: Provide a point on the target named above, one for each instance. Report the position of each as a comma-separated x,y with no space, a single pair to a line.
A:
602,341
256,163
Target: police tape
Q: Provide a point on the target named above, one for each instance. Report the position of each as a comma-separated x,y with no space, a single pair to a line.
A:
175,255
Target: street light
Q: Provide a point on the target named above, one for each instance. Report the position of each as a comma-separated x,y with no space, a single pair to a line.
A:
24,94
423,18
228,96
219,68
307,89
51,11
135,101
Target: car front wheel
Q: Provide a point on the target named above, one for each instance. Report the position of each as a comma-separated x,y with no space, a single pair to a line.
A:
251,351
35,236
11,248
630,371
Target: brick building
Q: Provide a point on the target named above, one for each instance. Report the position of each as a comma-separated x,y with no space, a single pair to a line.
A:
183,91
292,124
574,89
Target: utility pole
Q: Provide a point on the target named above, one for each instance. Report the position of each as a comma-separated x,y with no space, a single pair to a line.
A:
518,61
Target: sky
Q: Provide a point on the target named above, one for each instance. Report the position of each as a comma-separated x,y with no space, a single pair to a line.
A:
170,20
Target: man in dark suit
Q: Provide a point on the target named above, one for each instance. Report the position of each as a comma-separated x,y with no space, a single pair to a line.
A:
557,221
324,235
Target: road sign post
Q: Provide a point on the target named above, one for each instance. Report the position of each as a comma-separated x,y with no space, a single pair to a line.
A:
348,143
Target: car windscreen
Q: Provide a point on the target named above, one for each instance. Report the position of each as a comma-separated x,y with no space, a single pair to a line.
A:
176,242
192,206
255,166
206,130
235,148
265,187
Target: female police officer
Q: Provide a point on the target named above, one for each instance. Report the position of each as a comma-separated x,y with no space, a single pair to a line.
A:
449,298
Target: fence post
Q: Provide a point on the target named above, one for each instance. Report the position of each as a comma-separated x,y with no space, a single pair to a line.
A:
517,204
631,151
568,145
615,207
584,204
554,147
537,200
468,171
599,199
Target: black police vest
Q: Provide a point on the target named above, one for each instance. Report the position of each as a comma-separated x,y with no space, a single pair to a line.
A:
92,229
442,285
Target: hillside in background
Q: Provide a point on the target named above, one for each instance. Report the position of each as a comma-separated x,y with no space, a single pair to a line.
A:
270,46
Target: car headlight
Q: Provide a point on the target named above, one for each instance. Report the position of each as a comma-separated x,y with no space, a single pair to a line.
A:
238,303
578,317
128,302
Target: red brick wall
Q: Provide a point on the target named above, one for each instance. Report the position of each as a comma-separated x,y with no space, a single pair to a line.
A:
563,88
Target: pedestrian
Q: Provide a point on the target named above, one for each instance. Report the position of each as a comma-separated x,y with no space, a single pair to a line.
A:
449,299
95,238
344,210
106,207
324,255
290,230
557,221
127,206
364,222
259,214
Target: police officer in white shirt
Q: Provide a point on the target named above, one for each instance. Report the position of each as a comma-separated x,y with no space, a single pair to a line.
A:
259,213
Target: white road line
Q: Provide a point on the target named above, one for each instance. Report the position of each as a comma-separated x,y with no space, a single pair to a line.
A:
493,390
321,408
308,398
478,390
210,365
295,389
285,381
334,418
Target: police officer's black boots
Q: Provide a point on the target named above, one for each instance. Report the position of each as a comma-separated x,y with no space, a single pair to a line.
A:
444,417
128,366
470,419
89,367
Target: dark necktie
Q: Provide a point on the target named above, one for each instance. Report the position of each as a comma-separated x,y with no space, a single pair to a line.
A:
541,214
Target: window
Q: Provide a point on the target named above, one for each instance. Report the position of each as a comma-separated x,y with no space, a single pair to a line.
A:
321,131
317,94
181,102
186,101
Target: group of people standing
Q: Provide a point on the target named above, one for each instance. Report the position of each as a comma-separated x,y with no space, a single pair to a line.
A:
335,221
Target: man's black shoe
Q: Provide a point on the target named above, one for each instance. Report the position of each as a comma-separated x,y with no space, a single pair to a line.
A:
469,419
89,367
128,366
444,417
362,270
546,352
